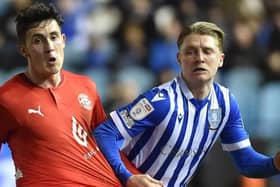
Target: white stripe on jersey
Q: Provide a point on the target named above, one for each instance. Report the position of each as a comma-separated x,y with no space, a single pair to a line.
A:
236,146
195,144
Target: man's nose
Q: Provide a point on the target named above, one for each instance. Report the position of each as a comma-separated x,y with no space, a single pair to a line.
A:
200,56
49,45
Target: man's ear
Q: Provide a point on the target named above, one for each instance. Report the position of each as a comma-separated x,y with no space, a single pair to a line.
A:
221,63
23,51
178,57
64,39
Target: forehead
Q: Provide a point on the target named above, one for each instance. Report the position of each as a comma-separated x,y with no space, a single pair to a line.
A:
44,28
198,40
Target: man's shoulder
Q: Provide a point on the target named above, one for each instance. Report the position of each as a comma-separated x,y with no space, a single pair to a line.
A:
13,89
220,88
12,84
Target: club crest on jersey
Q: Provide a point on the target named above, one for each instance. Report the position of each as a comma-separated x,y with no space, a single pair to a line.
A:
85,101
142,109
214,118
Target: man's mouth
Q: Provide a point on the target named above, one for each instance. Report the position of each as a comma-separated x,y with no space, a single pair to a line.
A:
199,70
52,60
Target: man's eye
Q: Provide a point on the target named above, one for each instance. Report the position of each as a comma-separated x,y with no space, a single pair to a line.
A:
54,37
37,41
208,51
189,52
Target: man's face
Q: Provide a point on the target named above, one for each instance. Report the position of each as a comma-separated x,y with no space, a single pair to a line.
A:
199,58
44,49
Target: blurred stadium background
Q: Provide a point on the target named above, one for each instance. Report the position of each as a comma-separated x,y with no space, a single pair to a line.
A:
129,46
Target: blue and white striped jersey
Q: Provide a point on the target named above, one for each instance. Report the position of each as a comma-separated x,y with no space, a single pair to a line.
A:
168,132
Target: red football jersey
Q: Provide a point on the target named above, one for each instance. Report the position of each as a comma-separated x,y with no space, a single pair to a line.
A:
49,132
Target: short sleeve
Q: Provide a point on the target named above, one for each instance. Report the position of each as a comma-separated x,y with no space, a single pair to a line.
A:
234,136
7,124
146,111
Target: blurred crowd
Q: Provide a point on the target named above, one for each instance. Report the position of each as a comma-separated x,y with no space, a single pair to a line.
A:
129,46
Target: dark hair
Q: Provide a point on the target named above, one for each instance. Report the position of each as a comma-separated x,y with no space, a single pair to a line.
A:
203,28
33,15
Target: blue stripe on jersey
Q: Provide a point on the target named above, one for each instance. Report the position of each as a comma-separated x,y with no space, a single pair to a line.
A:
200,149
186,152
176,147
165,137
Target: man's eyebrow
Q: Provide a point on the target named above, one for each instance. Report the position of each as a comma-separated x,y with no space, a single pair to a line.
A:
42,35
208,48
55,32
37,35
191,47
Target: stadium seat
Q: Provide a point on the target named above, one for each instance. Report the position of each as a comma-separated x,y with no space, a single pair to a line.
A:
269,112
244,84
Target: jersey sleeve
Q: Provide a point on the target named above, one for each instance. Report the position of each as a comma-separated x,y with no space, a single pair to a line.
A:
146,111
234,136
107,137
253,164
7,124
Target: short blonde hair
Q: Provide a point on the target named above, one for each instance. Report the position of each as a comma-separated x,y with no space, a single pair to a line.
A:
203,28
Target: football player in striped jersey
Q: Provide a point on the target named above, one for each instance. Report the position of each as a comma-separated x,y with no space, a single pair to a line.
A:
167,131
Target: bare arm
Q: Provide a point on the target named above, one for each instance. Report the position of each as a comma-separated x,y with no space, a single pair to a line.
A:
143,180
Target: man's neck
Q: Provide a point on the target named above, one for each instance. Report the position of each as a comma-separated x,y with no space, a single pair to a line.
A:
50,81
200,90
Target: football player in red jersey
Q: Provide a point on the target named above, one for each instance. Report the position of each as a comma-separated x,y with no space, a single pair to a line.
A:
47,114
